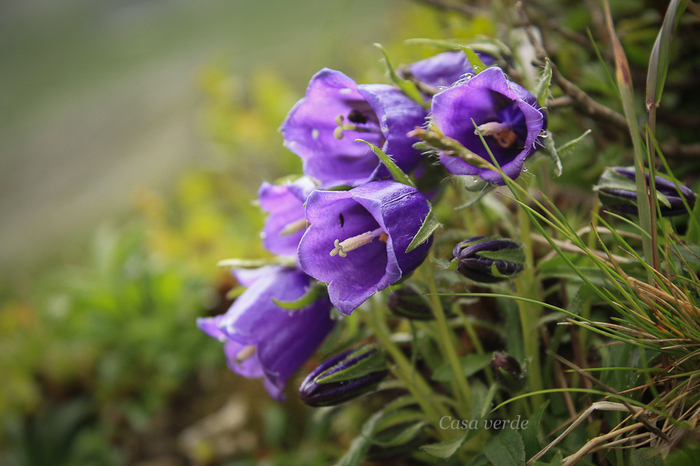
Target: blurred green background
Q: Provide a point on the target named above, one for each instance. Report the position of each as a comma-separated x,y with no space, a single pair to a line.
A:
133,137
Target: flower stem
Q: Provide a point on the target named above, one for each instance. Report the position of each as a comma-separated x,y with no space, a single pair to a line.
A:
414,382
445,343
527,287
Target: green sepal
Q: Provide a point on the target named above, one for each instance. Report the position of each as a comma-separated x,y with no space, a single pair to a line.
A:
406,86
396,173
552,153
451,147
541,90
373,363
611,180
316,291
430,224
571,145
508,255
477,65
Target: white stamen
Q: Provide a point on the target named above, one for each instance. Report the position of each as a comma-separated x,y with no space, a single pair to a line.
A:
314,134
342,249
293,227
245,353
490,128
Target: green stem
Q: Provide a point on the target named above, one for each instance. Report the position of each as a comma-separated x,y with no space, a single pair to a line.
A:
414,382
445,343
526,286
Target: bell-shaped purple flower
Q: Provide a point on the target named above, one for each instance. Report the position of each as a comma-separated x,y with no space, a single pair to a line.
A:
264,340
322,127
357,239
506,114
618,192
286,222
445,69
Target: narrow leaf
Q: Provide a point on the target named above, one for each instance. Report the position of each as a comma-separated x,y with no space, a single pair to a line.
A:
359,446
407,87
445,450
404,436
430,224
531,439
396,173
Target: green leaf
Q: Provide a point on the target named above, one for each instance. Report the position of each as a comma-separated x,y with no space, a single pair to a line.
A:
396,173
359,446
407,87
693,234
315,292
571,145
531,439
477,65
445,450
374,363
506,449
470,364
646,457
430,224
404,436
660,53
541,90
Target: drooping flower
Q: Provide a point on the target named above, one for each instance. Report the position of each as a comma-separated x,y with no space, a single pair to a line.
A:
286,222
618,192
343,377
506,114
488,260
508,372
322,127
357,239
264,340
445,69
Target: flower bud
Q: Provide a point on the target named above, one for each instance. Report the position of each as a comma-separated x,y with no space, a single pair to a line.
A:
343,377
486,259
618,192
508,372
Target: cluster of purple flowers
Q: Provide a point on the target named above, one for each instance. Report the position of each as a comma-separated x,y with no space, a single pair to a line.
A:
347,222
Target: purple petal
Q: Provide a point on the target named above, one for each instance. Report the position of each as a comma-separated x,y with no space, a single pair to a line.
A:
444,69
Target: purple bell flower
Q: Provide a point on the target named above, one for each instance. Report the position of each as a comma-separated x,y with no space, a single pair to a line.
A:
445,69
286,222
357,239
264,340
507,115
322,127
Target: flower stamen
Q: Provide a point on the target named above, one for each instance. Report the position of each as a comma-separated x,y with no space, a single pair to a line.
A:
342,249
503,134
294,227
245,353
356,118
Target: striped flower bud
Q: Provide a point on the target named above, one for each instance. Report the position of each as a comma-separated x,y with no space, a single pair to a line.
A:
508,372
343,377
617,190
486,259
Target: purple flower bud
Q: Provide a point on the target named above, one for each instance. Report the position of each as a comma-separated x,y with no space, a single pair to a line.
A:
618,192
344,377
488,260
507,115
322,128
508,372
357,239
264,340
445,69
286,223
